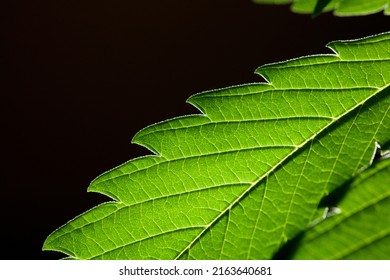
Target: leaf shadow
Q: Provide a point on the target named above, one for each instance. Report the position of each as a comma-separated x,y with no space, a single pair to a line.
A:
286,252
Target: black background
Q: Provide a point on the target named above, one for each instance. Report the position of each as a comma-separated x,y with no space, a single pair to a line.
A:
80,78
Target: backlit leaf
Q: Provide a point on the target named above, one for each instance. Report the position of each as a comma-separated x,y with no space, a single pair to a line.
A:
246,176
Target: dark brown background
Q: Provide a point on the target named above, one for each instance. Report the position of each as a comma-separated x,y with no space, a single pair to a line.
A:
80,78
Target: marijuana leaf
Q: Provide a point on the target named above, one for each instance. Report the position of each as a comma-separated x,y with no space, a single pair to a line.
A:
246,176
340,7
362,230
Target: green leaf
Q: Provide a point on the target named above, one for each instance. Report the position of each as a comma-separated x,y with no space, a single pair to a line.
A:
320,7
340,7
246,176
362,230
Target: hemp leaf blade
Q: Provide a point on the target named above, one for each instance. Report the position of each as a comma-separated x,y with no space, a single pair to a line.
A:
246,176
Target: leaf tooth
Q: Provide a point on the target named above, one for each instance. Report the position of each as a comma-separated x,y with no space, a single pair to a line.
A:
369,48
